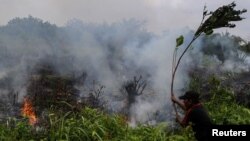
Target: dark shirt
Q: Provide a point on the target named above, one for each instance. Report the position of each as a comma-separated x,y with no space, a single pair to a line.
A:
199,120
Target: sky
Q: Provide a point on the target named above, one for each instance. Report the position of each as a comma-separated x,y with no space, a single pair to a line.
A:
158,15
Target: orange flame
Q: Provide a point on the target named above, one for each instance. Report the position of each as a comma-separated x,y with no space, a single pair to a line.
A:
27,111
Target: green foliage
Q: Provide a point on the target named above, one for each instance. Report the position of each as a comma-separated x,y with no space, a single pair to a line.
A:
223,108
217,19
209,32
90,125
179,41
220,102
93,125
15,130
221,17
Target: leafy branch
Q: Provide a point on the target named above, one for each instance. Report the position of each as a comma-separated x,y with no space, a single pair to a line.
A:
221,17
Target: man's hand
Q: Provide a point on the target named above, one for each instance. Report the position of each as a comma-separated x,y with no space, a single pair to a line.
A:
173,98
178,102
179,120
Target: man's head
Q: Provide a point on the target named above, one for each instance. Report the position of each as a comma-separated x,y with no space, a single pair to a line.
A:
190,98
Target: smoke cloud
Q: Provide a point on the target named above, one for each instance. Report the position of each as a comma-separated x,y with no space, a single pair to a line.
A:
110,54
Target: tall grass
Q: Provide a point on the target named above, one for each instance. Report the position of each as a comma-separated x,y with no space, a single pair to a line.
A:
86,125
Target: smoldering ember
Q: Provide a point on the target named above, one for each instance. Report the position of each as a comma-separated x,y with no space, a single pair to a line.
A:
121,68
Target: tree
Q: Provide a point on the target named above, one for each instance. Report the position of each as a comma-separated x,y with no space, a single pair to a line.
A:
221,17
133,88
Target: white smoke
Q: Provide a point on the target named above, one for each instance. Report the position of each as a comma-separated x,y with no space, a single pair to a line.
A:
219,54
109,53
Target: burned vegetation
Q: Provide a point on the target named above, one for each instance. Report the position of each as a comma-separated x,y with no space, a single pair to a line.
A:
47,89
9,105
131,90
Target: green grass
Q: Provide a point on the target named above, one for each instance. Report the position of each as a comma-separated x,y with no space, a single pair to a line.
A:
87,125
94,125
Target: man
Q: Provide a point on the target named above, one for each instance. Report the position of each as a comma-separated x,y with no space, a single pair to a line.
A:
195,114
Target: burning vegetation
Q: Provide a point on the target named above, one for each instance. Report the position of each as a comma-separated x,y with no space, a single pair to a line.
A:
28,111
58,99
47,90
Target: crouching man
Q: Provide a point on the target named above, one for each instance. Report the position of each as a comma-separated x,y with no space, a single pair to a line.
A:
195,114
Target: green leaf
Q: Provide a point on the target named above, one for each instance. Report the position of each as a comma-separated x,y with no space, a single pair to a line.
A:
209,32
221,17
179,41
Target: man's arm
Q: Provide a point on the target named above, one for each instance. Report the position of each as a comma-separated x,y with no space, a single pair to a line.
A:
180,103
179,120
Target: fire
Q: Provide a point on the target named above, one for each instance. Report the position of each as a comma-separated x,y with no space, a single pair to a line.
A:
27,111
